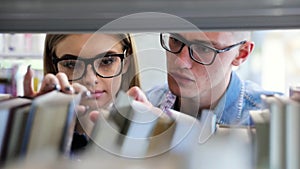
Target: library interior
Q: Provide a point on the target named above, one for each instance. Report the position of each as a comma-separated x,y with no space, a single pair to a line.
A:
41,131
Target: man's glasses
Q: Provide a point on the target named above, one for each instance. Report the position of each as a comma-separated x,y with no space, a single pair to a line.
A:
105,65
199,52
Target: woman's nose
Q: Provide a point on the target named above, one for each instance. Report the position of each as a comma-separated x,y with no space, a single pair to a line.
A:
90,77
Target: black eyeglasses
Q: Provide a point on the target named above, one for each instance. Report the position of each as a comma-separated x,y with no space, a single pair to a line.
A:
105,65
200,53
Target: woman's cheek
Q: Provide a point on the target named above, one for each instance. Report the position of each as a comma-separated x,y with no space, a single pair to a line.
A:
115,85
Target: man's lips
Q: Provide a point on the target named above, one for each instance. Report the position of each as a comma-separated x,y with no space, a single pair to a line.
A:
180,77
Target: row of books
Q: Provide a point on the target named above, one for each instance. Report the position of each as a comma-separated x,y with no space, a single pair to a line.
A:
29,126
277,143
126,134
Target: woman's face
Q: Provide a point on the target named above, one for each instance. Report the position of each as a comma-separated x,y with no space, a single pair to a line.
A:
88,46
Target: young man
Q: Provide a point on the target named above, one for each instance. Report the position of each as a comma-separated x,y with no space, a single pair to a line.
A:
201,78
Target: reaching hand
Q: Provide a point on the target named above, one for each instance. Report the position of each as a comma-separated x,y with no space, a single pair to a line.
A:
50,82
53,82
139,95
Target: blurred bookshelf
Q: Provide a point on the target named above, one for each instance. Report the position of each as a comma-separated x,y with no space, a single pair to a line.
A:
17,52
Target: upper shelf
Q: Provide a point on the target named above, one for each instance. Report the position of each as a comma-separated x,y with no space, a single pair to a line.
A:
91,15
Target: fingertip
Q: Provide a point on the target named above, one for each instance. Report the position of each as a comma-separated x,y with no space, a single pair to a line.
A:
94,116
27,83
28,73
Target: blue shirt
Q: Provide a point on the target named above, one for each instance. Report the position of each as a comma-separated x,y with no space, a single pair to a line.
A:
232,109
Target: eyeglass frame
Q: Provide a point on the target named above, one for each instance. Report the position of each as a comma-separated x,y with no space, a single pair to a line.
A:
216,51
90,61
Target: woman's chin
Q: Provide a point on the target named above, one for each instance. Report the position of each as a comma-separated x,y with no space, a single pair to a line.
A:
95,104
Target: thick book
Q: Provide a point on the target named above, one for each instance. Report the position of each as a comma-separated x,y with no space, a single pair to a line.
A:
277,108
50,124
130,129
15,132
292,131
261,137
12,117
5,96
293,135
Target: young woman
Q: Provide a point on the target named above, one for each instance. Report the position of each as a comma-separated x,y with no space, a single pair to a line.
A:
100,63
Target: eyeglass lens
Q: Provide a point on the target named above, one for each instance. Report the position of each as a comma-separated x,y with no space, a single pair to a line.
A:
109,66
198,52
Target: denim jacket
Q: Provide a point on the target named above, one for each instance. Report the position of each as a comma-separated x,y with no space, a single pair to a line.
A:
232,109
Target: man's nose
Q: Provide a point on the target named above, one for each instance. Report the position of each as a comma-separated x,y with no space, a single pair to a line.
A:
183,58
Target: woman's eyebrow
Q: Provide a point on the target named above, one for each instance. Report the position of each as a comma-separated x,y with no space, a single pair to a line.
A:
108,52
71,56
68,56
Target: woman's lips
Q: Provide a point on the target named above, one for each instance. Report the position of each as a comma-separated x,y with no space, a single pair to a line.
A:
97,94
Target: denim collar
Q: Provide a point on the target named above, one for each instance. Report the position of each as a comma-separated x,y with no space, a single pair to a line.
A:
229,108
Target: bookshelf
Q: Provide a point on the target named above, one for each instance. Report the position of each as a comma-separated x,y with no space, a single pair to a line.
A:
17,51
19,16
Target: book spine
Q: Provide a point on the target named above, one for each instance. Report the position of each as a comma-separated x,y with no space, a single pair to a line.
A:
293,136
27,131
7,136
69,127
277,135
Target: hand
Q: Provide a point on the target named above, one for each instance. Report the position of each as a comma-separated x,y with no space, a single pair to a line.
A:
137,94
53,82
50,82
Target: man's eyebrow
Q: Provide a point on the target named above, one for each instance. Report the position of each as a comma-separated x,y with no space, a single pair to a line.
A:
178,36
205,42
196,41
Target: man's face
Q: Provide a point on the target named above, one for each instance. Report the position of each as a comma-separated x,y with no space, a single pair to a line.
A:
190,79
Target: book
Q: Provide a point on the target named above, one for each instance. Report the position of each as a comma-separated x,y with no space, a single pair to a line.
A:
277,132
261,138
284,131
293,135
292,131
15,132
128,127
277,143
4,96
50,124
9,117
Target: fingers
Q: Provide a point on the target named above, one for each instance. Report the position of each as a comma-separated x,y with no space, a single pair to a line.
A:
27,83
64,83
49,83
138,95
81,110
69,88
78,88
94,116
60,82
55,82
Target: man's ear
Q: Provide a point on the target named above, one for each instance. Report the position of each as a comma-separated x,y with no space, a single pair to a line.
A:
244,52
